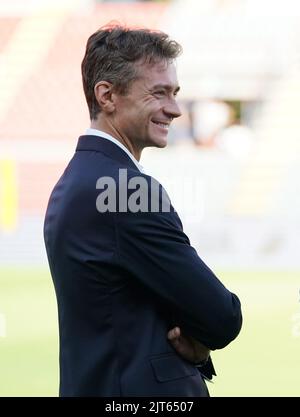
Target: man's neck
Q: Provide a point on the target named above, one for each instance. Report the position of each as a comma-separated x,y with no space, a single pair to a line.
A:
108,128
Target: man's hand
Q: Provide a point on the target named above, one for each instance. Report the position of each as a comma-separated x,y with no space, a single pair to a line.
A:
187,347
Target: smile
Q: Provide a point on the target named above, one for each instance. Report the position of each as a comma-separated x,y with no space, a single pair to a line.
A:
161,124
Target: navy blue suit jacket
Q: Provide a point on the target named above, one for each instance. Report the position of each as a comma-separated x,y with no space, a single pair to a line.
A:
122,280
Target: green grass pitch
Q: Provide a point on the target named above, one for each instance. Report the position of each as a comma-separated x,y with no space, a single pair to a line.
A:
262,361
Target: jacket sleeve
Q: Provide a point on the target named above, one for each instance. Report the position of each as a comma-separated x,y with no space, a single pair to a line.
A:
154,249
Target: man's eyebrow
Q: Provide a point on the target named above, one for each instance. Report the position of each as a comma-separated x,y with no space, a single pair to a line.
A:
167,87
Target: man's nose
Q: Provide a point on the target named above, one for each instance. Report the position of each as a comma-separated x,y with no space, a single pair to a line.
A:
172,109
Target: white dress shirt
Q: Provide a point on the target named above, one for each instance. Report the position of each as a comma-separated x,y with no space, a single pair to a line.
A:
100,133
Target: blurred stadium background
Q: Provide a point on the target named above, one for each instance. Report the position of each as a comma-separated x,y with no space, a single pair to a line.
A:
234,155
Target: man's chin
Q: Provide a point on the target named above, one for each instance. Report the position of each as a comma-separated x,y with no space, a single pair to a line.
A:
161,143
158,143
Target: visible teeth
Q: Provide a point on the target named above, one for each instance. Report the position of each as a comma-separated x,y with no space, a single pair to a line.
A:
165,126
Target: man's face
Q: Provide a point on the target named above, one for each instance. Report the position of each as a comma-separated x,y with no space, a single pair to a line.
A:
144,114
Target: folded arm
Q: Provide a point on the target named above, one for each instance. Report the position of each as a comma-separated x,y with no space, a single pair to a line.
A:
158,254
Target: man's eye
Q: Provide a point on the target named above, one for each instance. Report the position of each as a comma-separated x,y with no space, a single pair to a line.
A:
159,93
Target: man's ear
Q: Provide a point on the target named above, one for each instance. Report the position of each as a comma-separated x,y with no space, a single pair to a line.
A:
103,94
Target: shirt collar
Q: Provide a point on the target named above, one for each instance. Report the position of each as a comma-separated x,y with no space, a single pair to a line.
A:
100,133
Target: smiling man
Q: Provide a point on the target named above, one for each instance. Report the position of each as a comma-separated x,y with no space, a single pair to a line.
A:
142,116
139,311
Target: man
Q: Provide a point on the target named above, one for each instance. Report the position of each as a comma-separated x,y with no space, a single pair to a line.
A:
139,311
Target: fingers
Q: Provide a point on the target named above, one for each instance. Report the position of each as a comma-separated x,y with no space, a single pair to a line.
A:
174,333
186,346
174,336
